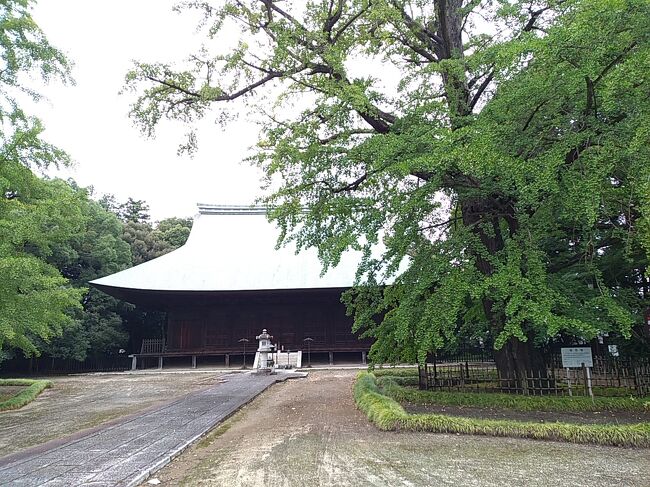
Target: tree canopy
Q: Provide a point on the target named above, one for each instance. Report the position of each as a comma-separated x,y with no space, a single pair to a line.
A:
35,215
96,250
53,237
508,165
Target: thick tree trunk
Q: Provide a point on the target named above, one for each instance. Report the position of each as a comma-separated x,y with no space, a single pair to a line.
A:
482,214
516,360
449,28
521,367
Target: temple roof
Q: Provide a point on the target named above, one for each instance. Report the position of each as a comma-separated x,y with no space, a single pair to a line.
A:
232,248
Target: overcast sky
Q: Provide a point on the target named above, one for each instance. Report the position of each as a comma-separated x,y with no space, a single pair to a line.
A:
90,120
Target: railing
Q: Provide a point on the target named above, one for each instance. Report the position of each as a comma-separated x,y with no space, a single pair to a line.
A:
57,366
153,345
606,377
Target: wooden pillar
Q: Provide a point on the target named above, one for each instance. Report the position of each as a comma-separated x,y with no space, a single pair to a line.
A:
363,358
194,361
227,360
331,358
160,362
134,362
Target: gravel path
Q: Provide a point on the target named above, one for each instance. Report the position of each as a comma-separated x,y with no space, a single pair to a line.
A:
309,433
126,453
83,401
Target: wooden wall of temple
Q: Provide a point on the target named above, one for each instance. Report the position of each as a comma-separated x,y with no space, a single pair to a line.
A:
218,324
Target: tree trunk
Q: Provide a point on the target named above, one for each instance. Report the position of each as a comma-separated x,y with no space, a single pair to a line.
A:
483,214
521,367
449,27
516,359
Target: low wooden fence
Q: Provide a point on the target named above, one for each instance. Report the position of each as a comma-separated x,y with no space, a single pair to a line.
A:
54,366
608,377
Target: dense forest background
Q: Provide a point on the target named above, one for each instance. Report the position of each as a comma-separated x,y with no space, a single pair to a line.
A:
101,236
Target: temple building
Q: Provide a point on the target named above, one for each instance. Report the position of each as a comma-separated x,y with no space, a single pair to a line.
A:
229,281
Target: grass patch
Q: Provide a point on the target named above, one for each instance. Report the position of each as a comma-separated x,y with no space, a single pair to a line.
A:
7,392
32,389
221,429
566,404
388,414
396,372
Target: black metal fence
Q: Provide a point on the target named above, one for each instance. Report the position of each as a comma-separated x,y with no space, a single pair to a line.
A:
54,366
471,355
608,377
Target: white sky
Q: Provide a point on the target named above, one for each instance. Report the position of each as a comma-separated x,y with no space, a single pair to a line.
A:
90,120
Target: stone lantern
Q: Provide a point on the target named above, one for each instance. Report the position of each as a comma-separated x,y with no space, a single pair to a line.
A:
264,350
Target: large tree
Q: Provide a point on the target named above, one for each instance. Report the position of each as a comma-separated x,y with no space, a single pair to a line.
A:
507,160
96,250
35,215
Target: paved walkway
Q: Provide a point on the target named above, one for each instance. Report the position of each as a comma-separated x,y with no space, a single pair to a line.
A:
128,452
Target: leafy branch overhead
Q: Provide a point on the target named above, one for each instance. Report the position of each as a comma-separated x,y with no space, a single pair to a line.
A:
498,148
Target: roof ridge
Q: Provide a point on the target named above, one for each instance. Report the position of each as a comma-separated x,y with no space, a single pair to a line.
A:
213,209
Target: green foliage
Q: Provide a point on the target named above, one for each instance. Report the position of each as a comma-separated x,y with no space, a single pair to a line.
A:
135,211
144,244
35,215
387,414
513,401
34,388
149,241
501,186
35,299
629,435
96,249
380,409
53,237
146,241
395,372
174,231
25,51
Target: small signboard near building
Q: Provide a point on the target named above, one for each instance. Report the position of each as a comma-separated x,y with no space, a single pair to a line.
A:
576,357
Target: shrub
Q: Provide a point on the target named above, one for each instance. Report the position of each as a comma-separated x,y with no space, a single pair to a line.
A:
396,372
33,389
387,414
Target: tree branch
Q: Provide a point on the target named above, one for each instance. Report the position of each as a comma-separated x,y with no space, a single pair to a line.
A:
333,17
614,62
349,22
421,32
173,86
480,90
332,138
437,225
532,115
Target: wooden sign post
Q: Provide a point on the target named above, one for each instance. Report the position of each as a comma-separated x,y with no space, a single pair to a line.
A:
578,358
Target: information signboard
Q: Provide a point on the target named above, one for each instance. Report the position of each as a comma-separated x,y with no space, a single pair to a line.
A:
575,357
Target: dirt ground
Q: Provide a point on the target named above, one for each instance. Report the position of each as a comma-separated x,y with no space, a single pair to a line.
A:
586,417
7,392
308,432
83,401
